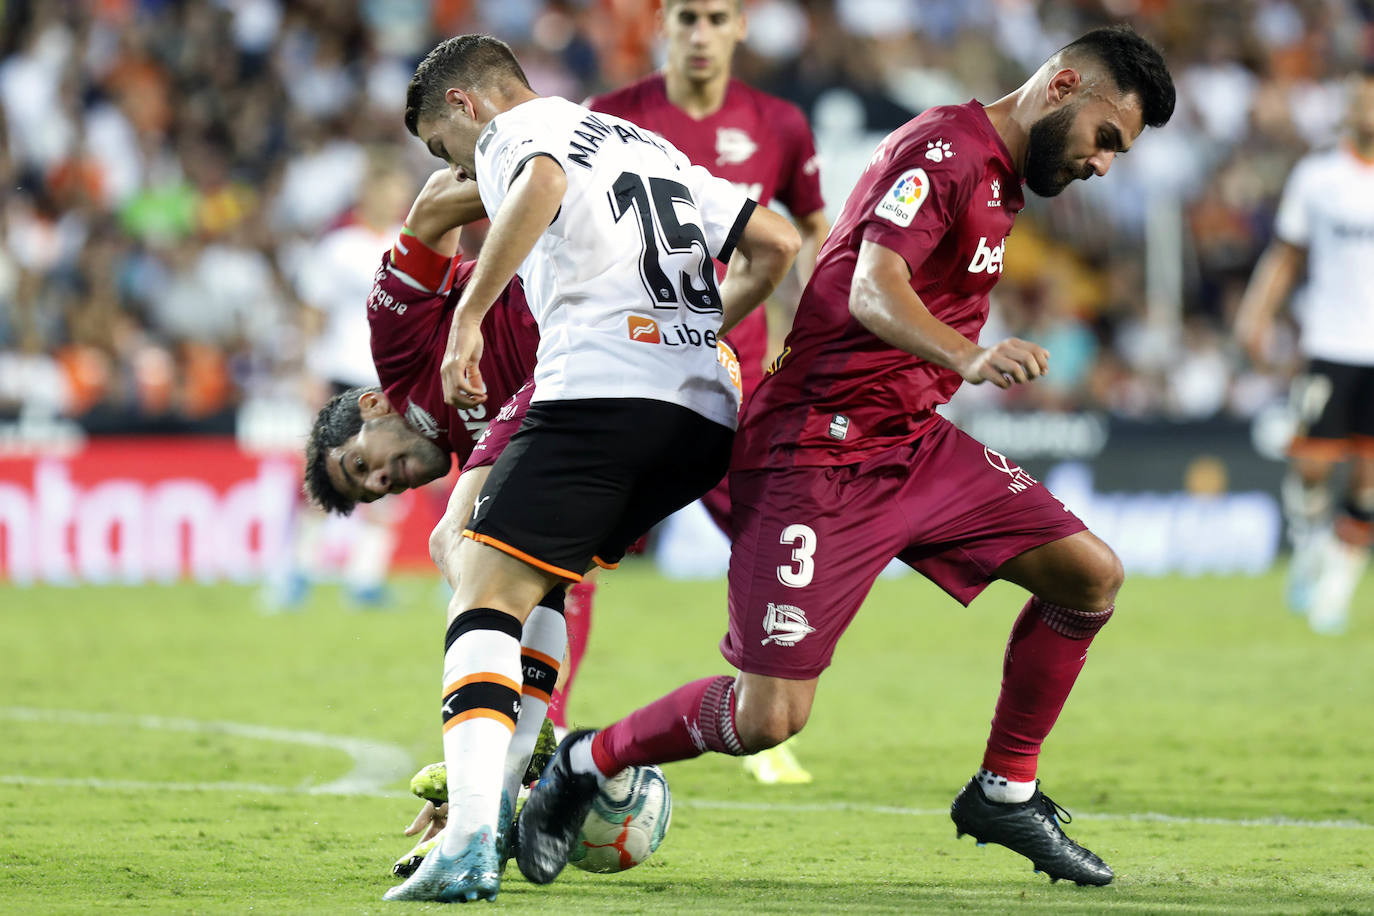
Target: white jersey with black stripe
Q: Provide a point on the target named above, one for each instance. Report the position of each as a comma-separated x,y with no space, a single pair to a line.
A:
1328,209
622,284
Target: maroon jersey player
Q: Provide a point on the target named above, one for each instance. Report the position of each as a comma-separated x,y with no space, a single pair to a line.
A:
842,463
368,442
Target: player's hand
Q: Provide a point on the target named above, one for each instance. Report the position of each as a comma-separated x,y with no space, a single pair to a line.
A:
1011,362
430,820
459,372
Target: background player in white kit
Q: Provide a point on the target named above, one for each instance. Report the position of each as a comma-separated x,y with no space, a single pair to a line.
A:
1326,219
612,232
334,276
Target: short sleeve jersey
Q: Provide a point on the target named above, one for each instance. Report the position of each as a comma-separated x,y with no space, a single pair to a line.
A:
757,141
1328,208
414,294
942,192
622,283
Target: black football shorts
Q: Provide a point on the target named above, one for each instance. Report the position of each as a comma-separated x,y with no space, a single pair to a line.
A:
582,480
1334,400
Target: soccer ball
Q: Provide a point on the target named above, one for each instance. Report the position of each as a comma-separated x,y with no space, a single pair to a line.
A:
629,817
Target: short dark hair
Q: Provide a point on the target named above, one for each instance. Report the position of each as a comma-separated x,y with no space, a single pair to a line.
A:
1135,65
463,60
338,421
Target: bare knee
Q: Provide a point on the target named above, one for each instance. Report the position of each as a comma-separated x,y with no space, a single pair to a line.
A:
762,729
1097,577
765,718
1312,472
1109,577
443,549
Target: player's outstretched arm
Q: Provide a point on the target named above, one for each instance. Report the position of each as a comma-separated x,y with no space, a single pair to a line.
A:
882,300
535,197
1269,286
761,259
444,204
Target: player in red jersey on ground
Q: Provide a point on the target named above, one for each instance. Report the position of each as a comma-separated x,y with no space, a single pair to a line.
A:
370,442
763,145
842,463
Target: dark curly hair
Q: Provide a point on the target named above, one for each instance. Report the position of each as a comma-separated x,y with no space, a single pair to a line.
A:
464,60
1135,65
338,421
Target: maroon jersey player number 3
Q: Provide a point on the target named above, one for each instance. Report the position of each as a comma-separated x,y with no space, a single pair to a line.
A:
841,462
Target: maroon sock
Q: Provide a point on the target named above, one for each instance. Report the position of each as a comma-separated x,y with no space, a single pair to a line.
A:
696,718
577,612
1047,648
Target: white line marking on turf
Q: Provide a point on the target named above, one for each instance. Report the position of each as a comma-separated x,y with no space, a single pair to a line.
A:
375,763
707,804
135,785
1150,817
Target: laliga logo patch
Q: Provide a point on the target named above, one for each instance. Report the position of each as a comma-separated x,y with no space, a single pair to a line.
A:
644,330
900,204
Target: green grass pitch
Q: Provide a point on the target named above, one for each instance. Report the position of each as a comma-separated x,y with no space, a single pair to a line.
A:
162,748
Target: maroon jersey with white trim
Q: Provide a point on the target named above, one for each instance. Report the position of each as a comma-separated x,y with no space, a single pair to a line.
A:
757,141
414,294
942,192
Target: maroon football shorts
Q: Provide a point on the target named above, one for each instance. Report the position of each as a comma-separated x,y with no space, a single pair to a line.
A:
809,541
717,505
497,435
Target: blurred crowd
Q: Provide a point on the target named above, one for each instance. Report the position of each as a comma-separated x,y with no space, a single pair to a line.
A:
175,176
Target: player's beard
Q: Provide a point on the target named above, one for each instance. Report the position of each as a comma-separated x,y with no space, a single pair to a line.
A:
425,461
1047,170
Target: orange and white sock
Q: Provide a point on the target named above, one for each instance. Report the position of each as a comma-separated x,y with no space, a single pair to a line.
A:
482,683
541,647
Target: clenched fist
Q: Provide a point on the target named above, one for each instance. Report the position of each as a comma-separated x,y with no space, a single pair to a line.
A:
1010,362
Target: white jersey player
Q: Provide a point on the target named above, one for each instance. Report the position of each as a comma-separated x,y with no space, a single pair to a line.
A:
622,284
1326,218
613,234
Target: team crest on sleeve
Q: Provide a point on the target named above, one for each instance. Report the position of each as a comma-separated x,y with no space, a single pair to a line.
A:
422,421
900,204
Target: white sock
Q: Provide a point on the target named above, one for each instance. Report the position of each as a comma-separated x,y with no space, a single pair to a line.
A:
542,643
1000,789
580,756
481,706
1307,509
1342,567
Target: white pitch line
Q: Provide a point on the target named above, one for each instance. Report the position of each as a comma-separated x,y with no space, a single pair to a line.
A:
708,804
136,785
375,763
1147,817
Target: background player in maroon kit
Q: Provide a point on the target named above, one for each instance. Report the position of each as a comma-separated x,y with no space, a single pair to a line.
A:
760,143
841,462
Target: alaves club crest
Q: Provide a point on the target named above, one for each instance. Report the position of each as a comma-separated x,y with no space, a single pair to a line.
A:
785,625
